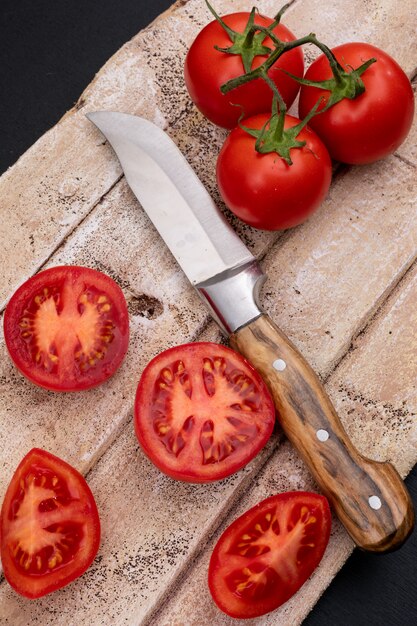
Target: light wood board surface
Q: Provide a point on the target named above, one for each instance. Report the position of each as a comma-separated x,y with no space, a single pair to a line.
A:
342,286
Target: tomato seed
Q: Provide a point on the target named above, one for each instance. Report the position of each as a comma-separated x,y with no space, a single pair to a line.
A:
167,375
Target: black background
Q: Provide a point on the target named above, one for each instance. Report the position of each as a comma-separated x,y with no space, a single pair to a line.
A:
50,51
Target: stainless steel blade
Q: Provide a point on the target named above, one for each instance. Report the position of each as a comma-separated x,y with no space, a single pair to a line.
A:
175,200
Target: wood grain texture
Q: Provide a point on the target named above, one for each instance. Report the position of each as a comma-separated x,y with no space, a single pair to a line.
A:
64,202
309,420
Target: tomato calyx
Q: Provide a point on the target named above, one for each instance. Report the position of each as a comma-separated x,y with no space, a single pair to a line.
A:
261,71
343,84
249,44
272,137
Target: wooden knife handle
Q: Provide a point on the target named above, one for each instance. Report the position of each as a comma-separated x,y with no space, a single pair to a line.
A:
369,497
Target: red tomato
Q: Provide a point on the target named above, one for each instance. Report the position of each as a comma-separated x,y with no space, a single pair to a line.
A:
206,69
372,125
202,412
67,328
268,553
262,189
50,529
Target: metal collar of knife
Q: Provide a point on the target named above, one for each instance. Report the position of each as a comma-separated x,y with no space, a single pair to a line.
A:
233,296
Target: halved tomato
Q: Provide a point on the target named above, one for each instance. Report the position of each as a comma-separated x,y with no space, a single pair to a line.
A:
50,528
202,412
67,328
265,555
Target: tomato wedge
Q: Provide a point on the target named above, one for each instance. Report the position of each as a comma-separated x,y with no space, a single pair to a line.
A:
268,553
67,328
50,528
202,412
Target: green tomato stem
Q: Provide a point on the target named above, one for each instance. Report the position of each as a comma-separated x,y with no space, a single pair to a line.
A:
266,65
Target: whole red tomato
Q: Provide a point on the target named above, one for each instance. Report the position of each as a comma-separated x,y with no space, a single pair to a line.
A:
372,125
262,189
206,69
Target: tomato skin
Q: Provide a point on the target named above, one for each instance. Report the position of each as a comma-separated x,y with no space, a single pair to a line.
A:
259,563
262,189
192,416
73,497
371,126
76,294
206,69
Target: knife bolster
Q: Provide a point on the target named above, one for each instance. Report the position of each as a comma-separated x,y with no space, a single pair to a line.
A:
233,296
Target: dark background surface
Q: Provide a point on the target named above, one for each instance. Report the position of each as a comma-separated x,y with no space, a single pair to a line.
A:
50,51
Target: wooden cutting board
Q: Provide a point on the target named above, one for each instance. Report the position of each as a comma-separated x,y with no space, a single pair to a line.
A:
342,286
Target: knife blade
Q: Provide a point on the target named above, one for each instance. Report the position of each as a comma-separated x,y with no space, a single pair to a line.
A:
369,497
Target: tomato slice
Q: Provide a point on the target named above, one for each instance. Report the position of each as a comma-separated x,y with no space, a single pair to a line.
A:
265,555
202,412
67,328
50,528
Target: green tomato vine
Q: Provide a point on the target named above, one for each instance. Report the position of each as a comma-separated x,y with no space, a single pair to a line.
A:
249,44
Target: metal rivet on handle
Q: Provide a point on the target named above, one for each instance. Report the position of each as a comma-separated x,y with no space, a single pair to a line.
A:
279,365
322,435
375,502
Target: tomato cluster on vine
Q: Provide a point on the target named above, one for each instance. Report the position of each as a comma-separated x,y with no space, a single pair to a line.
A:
244,70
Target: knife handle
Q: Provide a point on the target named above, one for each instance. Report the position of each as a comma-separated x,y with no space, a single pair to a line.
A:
369,497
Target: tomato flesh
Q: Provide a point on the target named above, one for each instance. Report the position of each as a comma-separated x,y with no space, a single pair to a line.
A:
207,69
67,328
268,553
202,412
50,529
374,124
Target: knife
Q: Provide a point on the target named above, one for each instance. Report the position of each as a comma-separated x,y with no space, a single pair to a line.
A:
369,497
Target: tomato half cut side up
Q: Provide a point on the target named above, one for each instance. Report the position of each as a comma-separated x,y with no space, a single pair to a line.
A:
67,328
50,528
268,553
202,412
